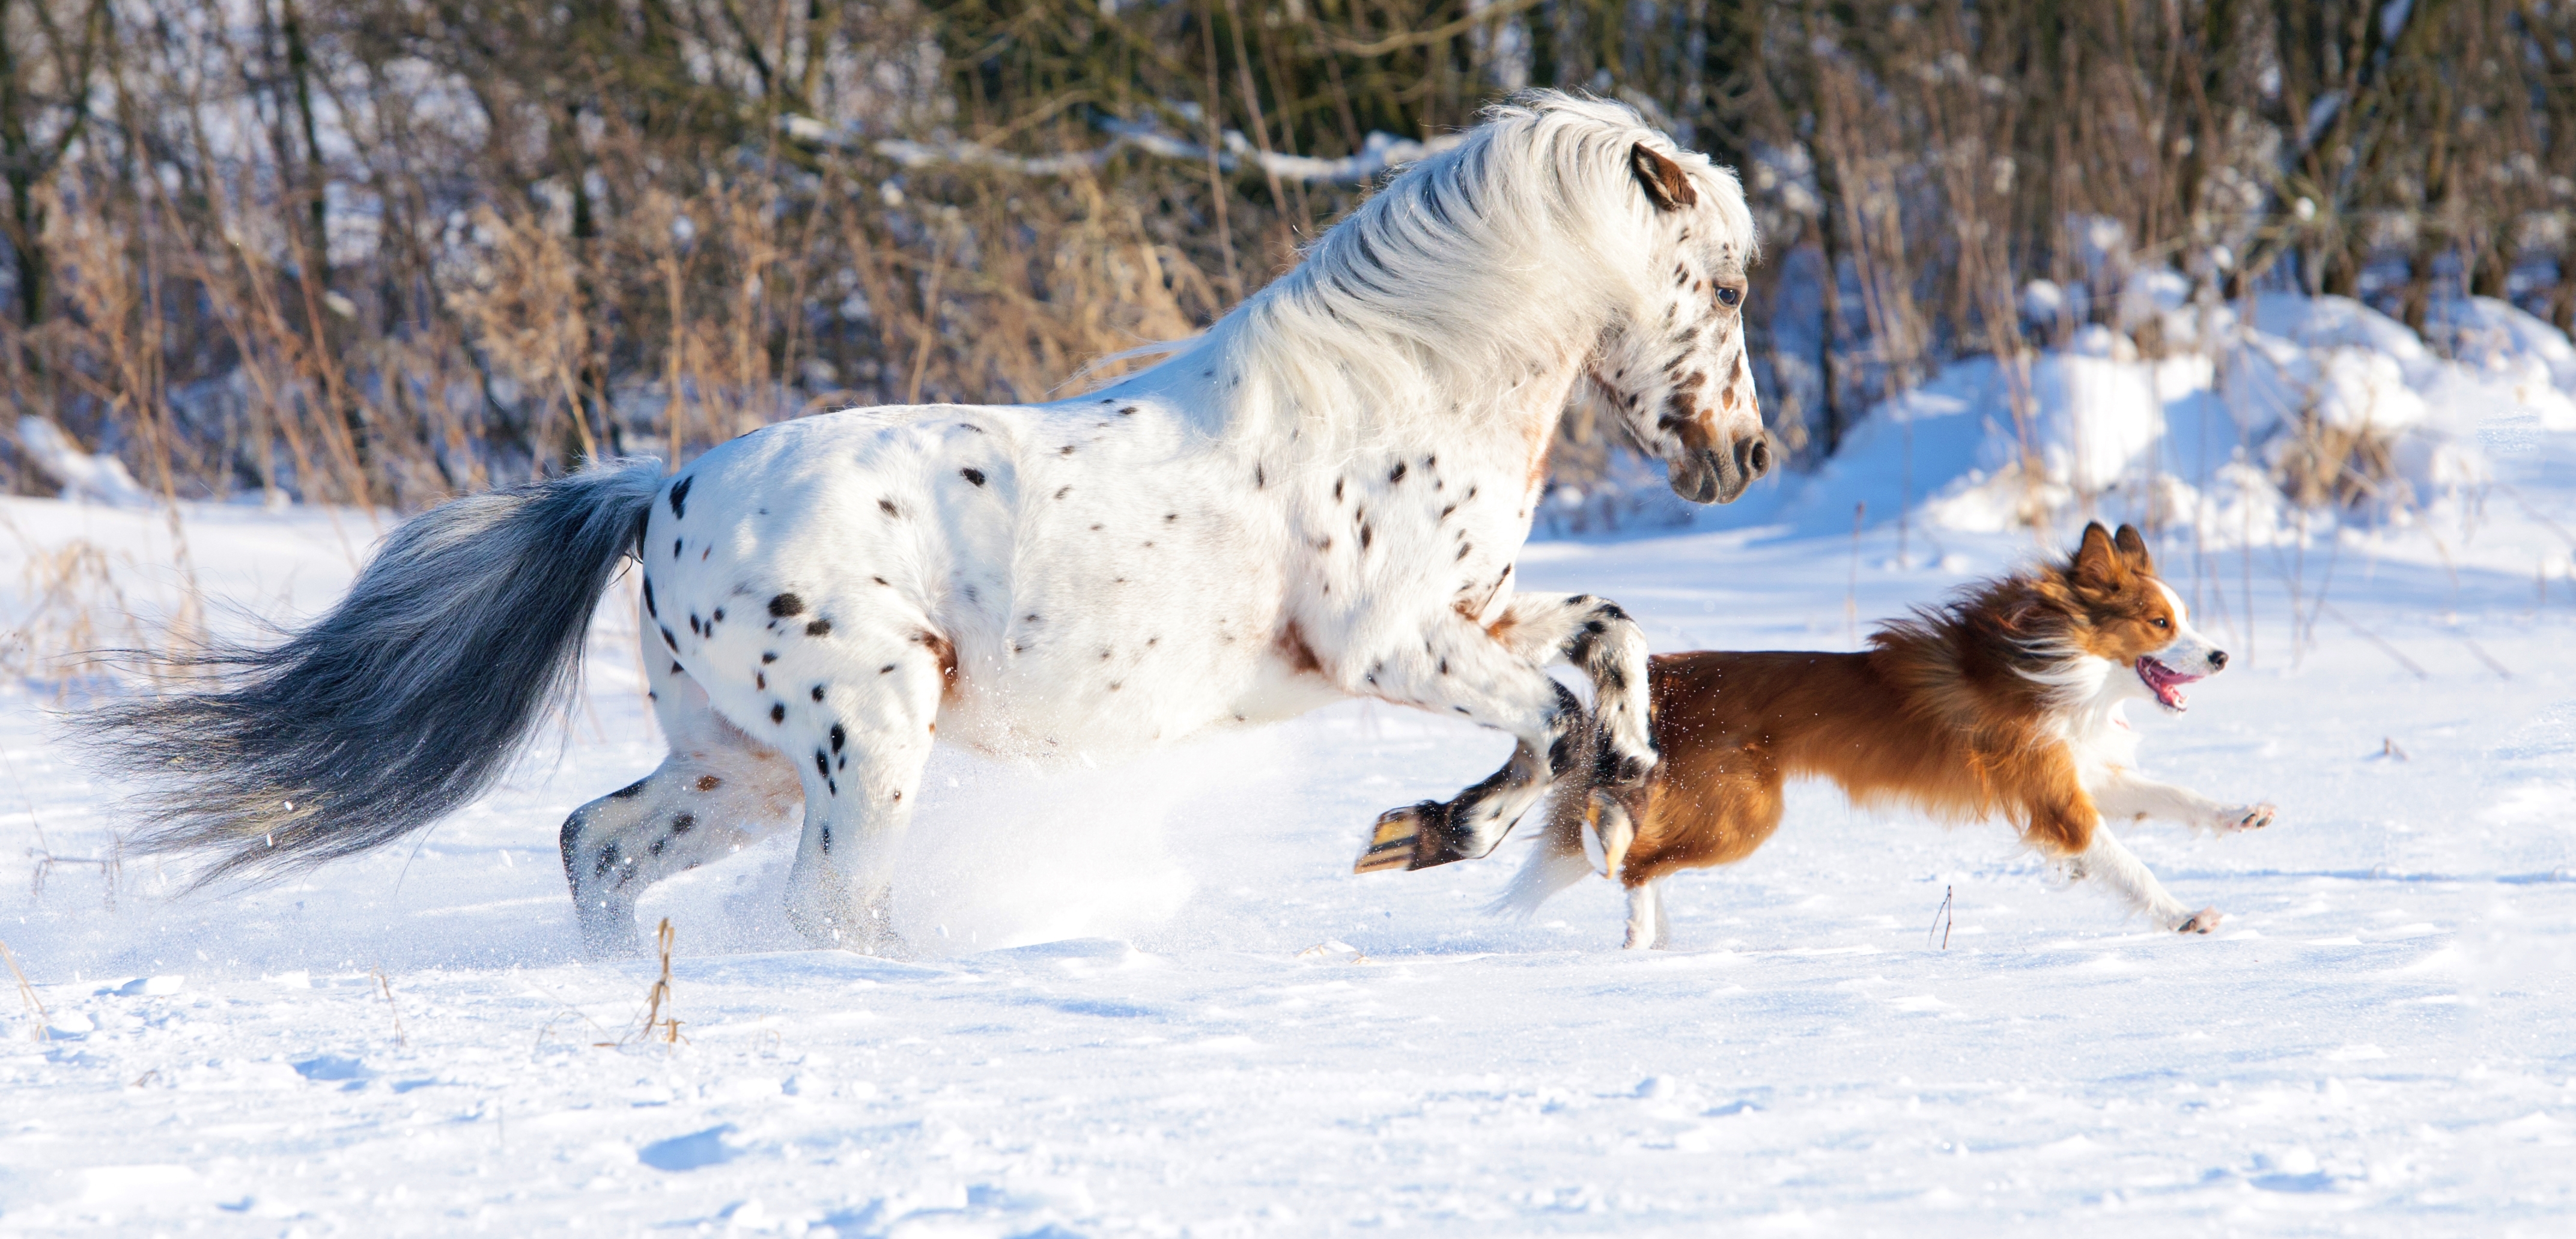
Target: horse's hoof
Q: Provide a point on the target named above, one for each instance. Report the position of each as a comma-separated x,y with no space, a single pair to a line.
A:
1413,837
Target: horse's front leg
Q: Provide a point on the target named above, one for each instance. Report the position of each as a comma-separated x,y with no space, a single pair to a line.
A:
1461,669
1596,636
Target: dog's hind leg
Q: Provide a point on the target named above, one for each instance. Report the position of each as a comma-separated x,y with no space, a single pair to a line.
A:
716,791
2116,866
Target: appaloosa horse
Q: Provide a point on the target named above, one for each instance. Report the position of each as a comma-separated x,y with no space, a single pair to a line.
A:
1319,498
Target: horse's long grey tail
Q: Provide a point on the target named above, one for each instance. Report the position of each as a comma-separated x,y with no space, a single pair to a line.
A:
403,703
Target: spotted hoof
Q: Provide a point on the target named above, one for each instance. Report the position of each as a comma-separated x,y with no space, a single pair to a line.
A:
1413,837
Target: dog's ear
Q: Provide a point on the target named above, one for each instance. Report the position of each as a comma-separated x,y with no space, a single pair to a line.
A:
2133,546
2097,562
1666,185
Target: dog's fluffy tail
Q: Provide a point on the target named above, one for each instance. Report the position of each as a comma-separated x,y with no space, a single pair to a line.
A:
1557,860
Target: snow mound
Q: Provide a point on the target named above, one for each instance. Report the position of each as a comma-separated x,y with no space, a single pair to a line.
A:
96,477
2258,397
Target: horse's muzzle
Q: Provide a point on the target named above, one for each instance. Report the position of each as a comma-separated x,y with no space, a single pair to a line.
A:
1713,476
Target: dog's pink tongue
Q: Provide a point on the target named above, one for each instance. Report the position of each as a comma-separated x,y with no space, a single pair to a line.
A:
2164,682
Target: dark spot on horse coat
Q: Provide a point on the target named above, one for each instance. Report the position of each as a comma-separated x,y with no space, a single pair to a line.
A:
769,656
972,476
675,548
1301,656
823,837
1396,474
630,791
1337,490
1258,479
695,629
669,640
785,605
680,497
887,669
1128,411
818,692
709,782
1365,534
839,737
822,764
676,669
879,580
1062,491
649,609
760,680
658,845
778,712
684,823
819,628
888,506
717,618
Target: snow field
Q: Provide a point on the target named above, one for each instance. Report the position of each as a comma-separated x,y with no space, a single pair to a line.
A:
1150,998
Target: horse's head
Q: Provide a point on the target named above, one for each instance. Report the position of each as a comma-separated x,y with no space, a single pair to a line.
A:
1672,363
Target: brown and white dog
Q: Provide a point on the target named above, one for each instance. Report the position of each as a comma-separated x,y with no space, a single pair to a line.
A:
2005,702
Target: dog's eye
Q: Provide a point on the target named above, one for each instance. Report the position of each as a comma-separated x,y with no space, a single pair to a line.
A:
1729,296
2160,622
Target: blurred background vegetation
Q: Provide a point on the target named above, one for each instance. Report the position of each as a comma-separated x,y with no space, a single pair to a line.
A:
383,251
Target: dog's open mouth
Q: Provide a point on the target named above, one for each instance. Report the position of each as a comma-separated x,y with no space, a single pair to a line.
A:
2165,682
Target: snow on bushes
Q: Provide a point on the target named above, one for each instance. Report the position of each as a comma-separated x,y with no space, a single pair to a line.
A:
2255,420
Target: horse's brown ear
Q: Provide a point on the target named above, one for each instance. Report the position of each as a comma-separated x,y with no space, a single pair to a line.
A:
2133,547
2097,562
1666,185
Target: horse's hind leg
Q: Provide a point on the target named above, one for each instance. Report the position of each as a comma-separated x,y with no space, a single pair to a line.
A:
860,745
717,790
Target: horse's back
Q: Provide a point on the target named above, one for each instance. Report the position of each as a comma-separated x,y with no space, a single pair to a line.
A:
1090,573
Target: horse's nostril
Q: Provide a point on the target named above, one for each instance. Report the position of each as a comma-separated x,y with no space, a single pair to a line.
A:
1753,457
2217,659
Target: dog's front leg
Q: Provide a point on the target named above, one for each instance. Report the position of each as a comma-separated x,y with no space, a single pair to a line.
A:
2106,859
2125,796
1648,928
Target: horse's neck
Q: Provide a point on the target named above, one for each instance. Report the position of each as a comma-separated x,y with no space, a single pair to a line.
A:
1497,418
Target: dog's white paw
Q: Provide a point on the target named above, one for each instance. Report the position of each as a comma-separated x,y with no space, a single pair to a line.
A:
2200,922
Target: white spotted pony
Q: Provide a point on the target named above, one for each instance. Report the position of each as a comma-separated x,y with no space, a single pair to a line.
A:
1321,497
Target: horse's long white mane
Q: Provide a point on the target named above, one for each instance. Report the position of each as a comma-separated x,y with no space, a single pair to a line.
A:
1469,273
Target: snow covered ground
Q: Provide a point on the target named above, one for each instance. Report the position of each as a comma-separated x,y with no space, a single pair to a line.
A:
1152,999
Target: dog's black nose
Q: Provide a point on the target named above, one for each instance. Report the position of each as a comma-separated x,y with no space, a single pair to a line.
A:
2218,660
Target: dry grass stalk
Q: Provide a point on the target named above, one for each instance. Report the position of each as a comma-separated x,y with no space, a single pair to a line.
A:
385,986
26,992
659,1024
